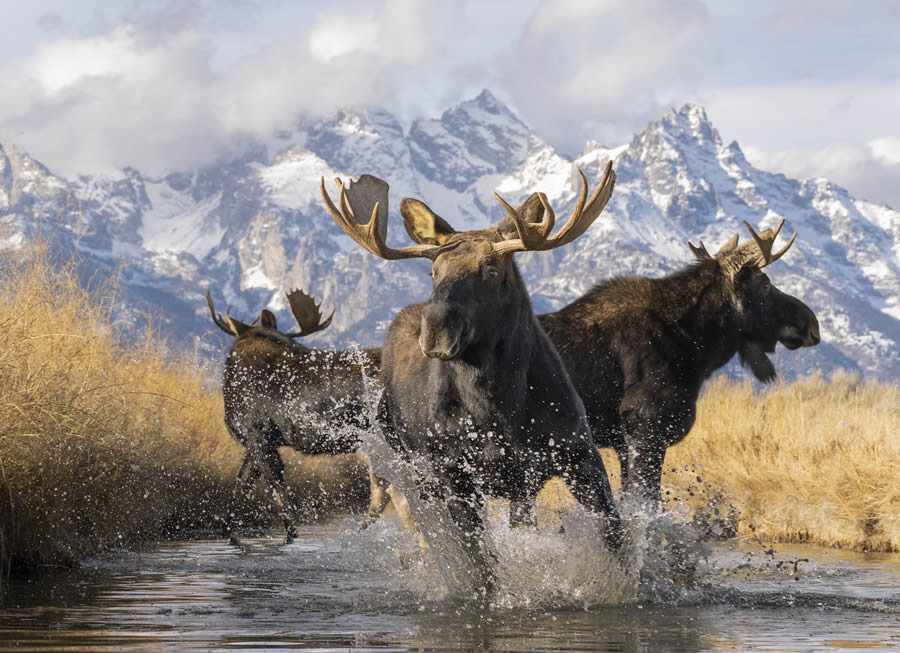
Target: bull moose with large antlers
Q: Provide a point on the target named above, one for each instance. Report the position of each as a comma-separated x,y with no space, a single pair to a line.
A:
472,383
638,350
279,392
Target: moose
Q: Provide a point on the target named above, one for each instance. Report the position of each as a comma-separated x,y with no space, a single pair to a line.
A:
279,392
475,394
638,349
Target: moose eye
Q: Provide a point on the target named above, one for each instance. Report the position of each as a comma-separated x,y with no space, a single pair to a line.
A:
491,272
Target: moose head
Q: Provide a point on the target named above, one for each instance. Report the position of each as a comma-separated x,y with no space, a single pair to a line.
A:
477,292
764,315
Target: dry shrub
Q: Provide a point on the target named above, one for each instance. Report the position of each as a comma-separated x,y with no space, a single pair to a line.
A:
104,442
101,442
812,461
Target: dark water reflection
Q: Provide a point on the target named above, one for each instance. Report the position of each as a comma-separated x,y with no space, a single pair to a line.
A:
336,589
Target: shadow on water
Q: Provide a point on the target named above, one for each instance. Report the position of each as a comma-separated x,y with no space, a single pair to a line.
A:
338,588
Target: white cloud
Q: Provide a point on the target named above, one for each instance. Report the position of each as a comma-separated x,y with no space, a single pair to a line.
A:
602,69
161,85
886,149
151,98
806,115
870,171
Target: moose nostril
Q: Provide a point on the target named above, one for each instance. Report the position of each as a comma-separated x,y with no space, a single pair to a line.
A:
813,333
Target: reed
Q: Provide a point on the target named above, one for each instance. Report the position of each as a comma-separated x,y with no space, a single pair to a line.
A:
812,461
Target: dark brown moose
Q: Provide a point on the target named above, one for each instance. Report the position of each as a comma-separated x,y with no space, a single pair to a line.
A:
472,384
638,350
280,393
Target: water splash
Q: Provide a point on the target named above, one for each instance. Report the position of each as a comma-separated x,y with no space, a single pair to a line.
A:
549,567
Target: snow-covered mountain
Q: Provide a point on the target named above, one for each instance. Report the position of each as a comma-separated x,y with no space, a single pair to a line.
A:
251,227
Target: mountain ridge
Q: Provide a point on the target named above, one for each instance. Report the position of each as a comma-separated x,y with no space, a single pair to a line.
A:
253,226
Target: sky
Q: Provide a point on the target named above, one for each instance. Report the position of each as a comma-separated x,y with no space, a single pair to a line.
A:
807,87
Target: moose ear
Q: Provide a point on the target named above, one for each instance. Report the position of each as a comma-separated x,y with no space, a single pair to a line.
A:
728,247
422,224
532,210
267,319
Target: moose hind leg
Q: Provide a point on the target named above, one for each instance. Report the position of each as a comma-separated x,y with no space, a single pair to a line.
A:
280,491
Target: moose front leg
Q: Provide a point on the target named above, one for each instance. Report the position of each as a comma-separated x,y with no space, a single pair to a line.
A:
655,413
585,476
649,432
522,512
645,462
465,504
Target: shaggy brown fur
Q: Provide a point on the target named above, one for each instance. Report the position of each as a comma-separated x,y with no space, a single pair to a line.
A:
638,350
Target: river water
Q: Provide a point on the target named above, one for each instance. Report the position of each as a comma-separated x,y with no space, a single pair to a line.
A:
339,588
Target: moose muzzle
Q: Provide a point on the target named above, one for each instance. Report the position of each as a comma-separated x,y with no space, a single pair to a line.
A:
443,332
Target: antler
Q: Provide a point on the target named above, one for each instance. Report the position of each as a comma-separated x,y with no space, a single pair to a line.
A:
700,252
229,325
370,235
536,236
765,243
307,313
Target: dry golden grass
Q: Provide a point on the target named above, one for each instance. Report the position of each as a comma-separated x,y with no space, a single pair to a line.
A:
103,442
813,461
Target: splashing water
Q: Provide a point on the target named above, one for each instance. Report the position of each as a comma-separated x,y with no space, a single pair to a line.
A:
549,567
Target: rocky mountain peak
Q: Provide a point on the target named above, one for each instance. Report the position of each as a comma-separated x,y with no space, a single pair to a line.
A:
253,226
477,137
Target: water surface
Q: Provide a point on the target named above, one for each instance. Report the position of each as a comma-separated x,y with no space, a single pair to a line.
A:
336,588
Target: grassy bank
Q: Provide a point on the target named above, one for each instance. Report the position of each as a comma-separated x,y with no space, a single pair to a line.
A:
105,442
812,461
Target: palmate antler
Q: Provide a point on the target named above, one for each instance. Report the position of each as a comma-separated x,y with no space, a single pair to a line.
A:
369,236
701,254
761,254
307,313
228,324
535,236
